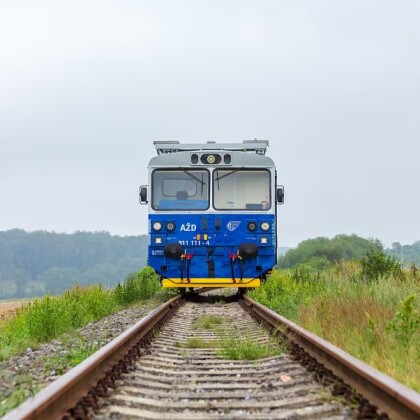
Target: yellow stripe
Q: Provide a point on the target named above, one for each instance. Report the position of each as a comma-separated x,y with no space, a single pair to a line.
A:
208,282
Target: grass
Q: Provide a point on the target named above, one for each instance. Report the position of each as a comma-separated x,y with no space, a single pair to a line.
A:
47,318
208,322
199,343
23,388
77,350
76,353
230,348
43,319
247,349
377,321
137,287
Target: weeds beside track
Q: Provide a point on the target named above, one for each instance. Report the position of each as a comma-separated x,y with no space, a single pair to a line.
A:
176,379
377,321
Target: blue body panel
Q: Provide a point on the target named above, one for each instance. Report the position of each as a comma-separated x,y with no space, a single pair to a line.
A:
212,254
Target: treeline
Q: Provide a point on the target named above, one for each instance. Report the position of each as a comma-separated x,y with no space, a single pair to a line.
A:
320,253
36,262
407,254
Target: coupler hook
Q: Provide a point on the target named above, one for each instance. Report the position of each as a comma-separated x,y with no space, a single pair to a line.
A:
232,265
241,265
188,258
182,267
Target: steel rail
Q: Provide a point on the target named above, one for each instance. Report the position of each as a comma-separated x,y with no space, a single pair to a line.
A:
387,394
56,399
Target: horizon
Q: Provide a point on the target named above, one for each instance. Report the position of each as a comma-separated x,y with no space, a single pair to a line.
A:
386,246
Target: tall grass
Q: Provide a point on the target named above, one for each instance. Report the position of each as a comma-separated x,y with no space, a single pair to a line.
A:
44,319
377,321
137,287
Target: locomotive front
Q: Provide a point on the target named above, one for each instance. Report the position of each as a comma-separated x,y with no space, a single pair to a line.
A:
212,214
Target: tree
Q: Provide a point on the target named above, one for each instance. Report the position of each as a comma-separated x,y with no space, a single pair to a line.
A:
29,261
341,247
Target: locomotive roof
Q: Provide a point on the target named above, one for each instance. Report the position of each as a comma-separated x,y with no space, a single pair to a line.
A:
239,158
173,146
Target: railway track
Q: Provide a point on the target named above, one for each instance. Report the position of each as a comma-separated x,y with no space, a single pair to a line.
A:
177,363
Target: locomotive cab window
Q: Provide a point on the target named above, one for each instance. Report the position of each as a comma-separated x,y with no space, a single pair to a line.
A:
241,189
180,189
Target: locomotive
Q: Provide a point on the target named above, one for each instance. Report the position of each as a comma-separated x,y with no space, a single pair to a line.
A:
212,213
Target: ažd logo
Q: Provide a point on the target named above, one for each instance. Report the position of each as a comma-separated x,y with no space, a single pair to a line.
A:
232,225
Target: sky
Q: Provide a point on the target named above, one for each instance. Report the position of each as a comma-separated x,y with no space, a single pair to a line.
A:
87,86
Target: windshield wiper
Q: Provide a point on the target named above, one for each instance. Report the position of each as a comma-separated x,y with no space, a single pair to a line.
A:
229,173
225,175
194,177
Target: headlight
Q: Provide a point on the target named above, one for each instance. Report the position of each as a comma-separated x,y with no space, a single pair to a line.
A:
157,240
265,226
264,240
252,226
157,226
211,159
170,226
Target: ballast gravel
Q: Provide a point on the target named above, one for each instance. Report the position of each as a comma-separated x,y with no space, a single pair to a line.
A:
34,369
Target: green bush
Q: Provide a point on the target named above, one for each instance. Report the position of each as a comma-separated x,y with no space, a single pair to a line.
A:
376,264
317,252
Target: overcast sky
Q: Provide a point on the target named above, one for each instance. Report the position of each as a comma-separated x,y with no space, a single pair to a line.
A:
87,86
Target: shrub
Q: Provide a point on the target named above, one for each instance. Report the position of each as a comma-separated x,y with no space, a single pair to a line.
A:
376,264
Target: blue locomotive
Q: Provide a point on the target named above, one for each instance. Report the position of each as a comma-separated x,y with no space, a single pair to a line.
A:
212,213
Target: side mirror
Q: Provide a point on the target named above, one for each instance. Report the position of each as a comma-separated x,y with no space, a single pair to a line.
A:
280,194
143,194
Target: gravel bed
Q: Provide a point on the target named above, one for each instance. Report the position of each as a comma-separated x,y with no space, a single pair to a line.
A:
33,369
188,373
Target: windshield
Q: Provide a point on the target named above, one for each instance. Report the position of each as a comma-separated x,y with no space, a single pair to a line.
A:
180,189
241,189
